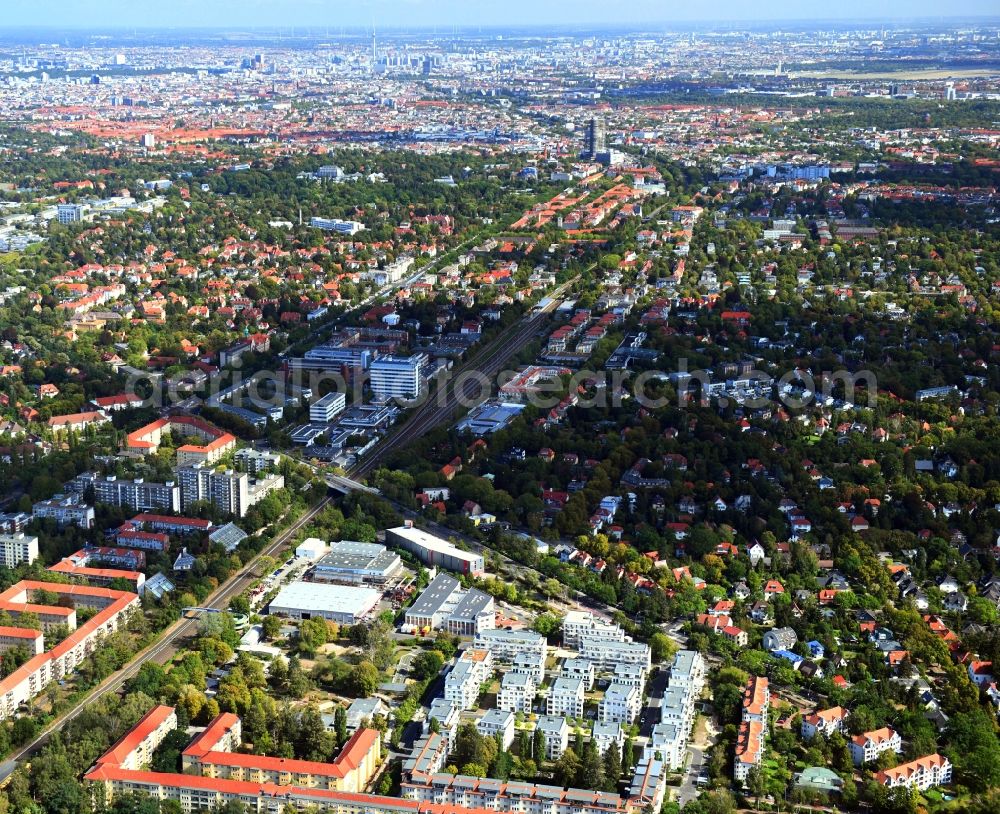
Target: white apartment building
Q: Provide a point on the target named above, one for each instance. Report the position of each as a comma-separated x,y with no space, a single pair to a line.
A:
621,703
579,668
577,624
327,408
229,490
677,707
606,736
447,714
688,670
398,377
556,732
669,742
606,653
922,773
16,549
517,692
65,510
463,681
232,492
506,644
530,663
497,722
565,698
631,674
867,746
823,722
137,494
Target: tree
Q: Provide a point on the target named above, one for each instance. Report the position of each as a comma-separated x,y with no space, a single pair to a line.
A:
628,755
591,767
538,746
568,768
612,768
471,747
547,624
312,634
427,664
975,750
340,725
364,679
271,627
662,647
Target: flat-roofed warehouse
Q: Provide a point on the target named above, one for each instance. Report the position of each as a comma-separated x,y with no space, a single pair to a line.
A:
432,550
344,604
352,563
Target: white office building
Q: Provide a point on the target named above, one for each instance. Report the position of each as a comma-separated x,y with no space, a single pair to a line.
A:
344,227
327,408
446,605
71,213
398,377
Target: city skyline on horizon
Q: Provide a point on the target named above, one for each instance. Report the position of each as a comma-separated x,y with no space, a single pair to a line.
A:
424,14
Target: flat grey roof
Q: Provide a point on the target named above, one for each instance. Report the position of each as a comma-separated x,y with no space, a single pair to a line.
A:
317,597
471,605
434,596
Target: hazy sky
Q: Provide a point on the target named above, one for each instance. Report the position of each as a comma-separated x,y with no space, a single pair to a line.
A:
445,13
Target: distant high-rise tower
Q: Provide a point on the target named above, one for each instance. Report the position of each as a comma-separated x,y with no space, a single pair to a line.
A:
595,139
374,46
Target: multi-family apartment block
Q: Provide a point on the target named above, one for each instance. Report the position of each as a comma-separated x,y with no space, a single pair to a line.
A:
579,668
517,692
621,703
565,697
867,746
921,774
753,727
605,654
113,608
506,644
17,548
468,674
606,736
555,730
497,723
577,624
823,722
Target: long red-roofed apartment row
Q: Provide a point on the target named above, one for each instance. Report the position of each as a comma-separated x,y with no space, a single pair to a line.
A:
264,784
28,680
